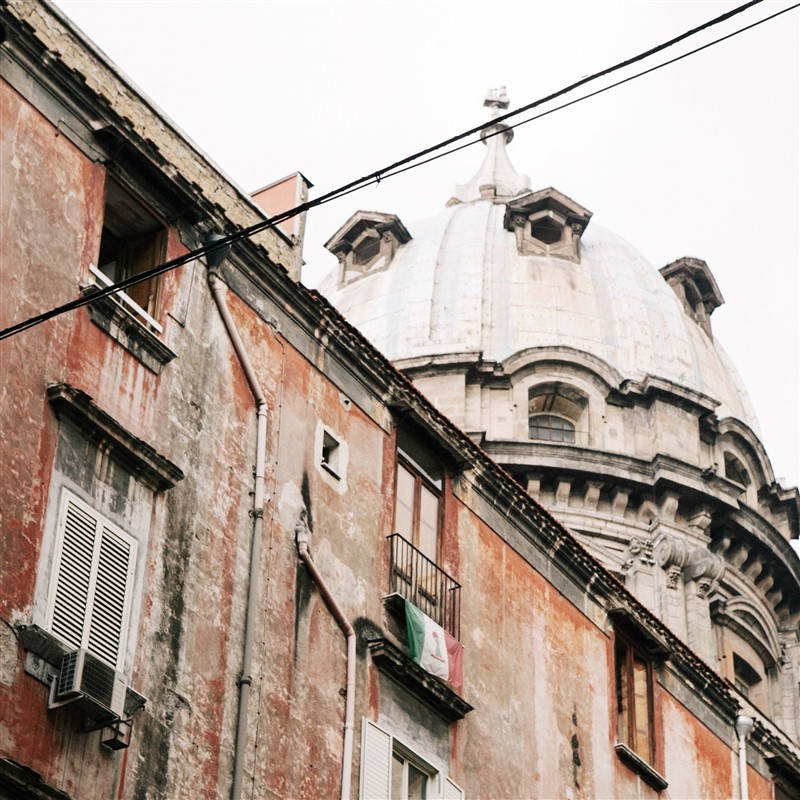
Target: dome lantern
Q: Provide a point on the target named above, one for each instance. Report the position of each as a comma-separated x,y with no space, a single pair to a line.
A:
496,177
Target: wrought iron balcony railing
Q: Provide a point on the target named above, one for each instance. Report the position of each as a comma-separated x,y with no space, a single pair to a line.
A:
416,578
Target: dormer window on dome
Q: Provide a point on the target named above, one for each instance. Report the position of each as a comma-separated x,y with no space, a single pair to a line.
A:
547,223
366,243
693,283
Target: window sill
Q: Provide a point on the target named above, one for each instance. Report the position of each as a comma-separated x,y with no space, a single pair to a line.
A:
391,660
48,651
650,776
110,315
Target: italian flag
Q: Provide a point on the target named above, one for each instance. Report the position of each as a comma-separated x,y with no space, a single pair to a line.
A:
432,647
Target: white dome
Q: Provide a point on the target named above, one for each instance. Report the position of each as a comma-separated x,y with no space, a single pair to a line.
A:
460,285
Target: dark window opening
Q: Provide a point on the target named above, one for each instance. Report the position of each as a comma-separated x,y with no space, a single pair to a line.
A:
133,240
367,250
745,678
735,471
330,453
546,230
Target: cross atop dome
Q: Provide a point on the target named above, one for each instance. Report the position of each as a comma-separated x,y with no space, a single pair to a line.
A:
496,176
496,98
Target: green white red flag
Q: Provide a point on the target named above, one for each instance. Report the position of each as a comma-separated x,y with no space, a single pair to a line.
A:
433,648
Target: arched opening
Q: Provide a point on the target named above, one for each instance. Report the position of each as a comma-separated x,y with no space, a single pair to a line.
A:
554,410
735,470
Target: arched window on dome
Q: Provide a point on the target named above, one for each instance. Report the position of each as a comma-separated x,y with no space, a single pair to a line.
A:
549,427
554,411
735,470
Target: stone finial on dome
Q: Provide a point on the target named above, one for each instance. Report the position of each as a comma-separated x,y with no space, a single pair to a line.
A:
496,177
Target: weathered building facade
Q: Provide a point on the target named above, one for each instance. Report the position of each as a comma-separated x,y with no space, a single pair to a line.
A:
218,497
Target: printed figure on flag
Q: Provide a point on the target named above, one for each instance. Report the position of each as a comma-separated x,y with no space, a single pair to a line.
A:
432,647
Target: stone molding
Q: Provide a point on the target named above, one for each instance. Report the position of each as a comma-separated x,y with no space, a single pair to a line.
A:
134,454
391,660
108,313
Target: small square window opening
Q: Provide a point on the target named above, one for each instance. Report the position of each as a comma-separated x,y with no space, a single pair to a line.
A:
330,454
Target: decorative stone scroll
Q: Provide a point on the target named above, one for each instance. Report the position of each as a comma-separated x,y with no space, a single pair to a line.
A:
679,559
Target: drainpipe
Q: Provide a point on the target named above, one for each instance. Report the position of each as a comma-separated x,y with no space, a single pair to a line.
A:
743,727
302,534
245,678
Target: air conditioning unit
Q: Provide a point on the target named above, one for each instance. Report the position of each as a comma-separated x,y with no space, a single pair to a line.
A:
86,682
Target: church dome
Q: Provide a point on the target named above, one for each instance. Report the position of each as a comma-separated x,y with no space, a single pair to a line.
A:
462,286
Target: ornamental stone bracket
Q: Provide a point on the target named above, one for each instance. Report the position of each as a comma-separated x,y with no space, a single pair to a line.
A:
679,559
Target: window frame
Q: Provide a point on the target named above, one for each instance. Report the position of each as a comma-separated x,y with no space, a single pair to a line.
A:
626,717
420,480
549,415
102,527
157,239
379,746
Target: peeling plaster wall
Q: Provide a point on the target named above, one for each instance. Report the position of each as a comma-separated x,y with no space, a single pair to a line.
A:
190,586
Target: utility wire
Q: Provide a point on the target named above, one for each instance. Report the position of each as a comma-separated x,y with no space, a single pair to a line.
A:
504,128
397,167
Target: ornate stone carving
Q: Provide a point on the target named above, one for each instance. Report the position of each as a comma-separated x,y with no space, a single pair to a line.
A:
678,558
673,574
640,551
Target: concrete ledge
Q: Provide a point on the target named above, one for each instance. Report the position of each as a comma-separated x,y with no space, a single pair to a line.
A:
403,670
127,331
650,776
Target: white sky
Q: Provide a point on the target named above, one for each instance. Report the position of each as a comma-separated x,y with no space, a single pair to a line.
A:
698,159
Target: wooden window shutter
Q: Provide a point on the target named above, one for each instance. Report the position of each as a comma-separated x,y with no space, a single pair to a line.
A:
451,791
376,762
92,582
108,621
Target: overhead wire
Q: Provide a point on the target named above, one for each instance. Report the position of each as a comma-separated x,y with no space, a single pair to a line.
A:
406,163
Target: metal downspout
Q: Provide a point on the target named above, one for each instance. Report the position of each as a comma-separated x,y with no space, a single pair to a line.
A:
301,532
743,727
245,678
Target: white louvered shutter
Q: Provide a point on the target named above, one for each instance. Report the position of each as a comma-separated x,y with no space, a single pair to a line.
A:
451,791
108,620
92,582
73,570
376,762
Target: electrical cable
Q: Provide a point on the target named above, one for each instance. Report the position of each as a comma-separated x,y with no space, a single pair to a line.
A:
504,128
400,166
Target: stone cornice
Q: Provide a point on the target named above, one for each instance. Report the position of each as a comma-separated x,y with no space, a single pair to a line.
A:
138,457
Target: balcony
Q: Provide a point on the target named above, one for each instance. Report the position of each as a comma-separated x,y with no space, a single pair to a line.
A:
416,578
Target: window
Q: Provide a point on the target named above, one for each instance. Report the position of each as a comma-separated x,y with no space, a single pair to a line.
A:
634,685
546,229
409,782
330,454
133,240
553,411
735,470
550,428
392,771
416,514
91,582
367,250
748,681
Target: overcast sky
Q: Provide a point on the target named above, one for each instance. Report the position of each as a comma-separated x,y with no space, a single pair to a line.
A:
698,159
